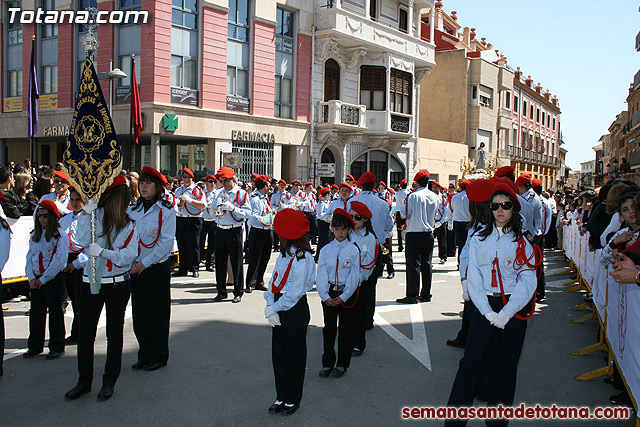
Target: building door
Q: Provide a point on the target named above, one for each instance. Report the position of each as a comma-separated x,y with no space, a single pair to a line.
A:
257,157
327,157
331,80
385,166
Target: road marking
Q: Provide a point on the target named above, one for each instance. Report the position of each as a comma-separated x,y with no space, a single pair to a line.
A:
418,347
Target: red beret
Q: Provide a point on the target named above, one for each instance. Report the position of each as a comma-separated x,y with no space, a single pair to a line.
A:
351,177
61,175
383,184
523,179
346,184
464,184
50,206
361,208
404,180
308,183
503,186
345,214
117,182
225,173
188,172
296,182
282,181
265,178
536,182
290,224
325,190
154,173
436,183
504,171
255,176
366,178
392,191
421,174
208,177
480,190
335,186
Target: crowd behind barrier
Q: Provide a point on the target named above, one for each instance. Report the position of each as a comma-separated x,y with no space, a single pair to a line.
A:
617,306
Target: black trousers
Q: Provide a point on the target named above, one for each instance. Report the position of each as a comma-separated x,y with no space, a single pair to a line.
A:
313,226
503,345
324,231
467,313
361,313
460,229
229,247
151,310
387,260
48,297
276,241
440,233
418,254
1,328
72,282
451,242
399,224
209,234
115,298
344,331
188,236
542,282
259,254
289,351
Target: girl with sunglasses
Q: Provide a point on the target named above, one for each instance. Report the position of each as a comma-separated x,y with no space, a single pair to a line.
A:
501,280
287,310
46,258
337,284
363,237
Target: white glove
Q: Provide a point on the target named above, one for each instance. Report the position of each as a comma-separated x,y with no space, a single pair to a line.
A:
95,249
501,320
90,206
491,316
465,290
268,311
227,206
187,198
450,225
274,320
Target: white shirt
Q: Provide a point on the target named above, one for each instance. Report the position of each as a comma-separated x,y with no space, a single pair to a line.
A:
368,246
260,206
69,223
460,207
240,199
300,280
62,204
400,205
193,192
421,211
338,264
531,212
156,231
46,259
381,221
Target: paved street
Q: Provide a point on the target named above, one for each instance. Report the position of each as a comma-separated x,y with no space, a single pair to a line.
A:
220,373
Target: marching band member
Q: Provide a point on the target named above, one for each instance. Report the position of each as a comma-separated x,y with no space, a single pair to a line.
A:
309,210
353,183
337,283
278,200
115,249
383,193
344,194
155,221
323,219
298,198
532,221
76,260
421,209
60,193
363,237
400,197
501,282
208,224
287,310
460,214
46,258
5,246
234,203
189,224
334,192
440,231
260,241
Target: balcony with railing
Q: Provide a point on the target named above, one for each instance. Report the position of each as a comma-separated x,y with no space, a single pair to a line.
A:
522,154
342,115
379,121
505,118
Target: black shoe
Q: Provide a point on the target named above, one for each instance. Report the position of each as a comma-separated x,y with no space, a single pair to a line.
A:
179,274
209,268
289,408
71,341
138,365
612,383
275,407
338,371
77,391
325,372
105,392
621,399
457,342
424,299
54,355
219,298
154,366
30,353
400,249
195,274
260,288
237,299
540,297
249,289
391,275
356,352
407,300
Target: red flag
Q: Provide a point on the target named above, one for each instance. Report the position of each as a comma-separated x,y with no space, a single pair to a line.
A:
136,113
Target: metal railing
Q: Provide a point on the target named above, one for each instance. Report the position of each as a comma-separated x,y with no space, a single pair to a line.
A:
339,113
400,123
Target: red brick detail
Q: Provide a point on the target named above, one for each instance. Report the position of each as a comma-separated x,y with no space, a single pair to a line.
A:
66,68
264,68
303,78
214,59
28,30
154,70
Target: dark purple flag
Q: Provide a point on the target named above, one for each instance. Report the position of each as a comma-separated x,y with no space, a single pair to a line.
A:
32,111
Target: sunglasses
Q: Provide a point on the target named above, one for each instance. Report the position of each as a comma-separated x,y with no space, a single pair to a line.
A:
59,181
210,181
357,217
507,206
42,215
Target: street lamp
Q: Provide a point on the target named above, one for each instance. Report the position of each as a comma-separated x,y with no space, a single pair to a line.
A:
114,73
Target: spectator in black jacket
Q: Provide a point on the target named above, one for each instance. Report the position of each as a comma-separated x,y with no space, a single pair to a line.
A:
13,205
599,218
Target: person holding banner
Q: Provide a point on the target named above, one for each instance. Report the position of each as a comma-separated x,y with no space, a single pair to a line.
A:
115,249
46,258
501,277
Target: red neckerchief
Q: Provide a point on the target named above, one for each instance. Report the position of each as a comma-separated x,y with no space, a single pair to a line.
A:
276,289
71,245
126,243
41,258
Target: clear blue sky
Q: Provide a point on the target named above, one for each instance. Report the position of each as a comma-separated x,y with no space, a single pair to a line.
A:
583,51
